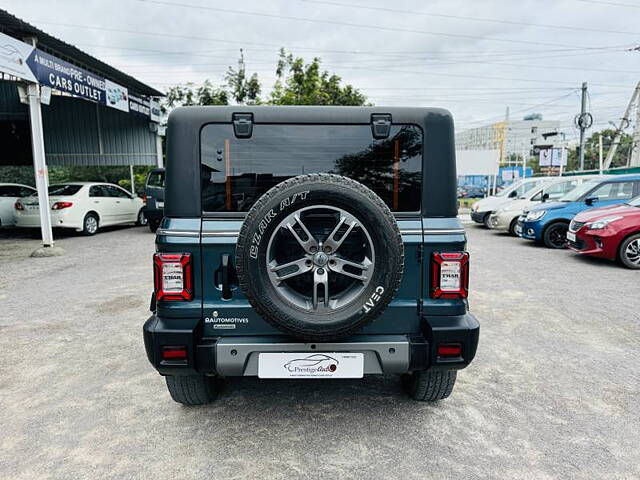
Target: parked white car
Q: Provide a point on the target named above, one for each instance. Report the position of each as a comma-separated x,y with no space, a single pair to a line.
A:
505,217
84,206
481,210
9,193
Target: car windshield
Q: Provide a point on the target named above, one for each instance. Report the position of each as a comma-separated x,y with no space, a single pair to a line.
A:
508,190
578,192
65,189
635,202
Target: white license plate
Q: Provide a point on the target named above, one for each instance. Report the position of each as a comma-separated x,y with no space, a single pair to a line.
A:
159,204
311,365
571,236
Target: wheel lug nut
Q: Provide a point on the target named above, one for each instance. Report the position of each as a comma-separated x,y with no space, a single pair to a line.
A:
314,249
327,249
321,271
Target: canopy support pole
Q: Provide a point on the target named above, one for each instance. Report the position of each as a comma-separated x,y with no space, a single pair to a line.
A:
39,163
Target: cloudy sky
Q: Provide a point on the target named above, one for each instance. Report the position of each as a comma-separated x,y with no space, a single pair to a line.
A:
472,57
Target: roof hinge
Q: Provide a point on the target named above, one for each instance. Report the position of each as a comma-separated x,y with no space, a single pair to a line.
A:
380,125
242,124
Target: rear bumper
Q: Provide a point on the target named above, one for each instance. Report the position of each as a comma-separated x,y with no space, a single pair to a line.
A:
383,354
59,219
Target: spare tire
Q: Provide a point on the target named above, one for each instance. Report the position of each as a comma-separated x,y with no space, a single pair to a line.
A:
319,256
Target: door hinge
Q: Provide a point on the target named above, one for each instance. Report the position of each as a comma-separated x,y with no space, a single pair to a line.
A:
420,253
380,125
242,124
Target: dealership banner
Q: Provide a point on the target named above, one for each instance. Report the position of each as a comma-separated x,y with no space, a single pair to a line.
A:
29,63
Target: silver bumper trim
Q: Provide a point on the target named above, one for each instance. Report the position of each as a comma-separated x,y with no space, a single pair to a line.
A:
238,356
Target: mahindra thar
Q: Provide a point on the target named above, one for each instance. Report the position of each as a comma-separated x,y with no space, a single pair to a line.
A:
310,243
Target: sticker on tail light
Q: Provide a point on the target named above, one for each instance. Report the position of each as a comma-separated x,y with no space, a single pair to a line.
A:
450,275
172,276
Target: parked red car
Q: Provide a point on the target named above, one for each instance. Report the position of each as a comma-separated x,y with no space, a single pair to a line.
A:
611,232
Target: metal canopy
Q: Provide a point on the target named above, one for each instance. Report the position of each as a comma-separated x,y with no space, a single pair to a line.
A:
17,28
71,131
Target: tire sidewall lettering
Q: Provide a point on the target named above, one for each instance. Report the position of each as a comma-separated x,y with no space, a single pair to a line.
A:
268,217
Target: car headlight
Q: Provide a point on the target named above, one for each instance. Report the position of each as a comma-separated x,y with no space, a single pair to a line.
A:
534,215
474,207
600,224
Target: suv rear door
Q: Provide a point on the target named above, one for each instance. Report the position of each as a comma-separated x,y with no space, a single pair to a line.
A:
237,171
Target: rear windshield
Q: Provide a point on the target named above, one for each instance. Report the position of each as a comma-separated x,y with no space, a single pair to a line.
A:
236,172
64,189
156,179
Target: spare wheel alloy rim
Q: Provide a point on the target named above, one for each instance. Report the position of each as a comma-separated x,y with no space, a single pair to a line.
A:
320,259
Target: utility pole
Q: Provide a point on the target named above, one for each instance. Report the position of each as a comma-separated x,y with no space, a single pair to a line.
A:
635,145
600,153
581,123
624,123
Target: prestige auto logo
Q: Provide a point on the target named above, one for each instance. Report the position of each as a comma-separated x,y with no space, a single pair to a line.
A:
316,363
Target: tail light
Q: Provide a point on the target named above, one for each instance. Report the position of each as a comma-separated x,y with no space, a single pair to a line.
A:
61,205
18,206
144,199
172,276
450,275
174,352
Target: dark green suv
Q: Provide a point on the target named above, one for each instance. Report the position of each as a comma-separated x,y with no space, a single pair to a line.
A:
310,242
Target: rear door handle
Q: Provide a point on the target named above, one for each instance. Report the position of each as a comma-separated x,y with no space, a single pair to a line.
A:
226,287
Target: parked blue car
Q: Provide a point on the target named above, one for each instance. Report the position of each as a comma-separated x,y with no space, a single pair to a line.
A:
548,223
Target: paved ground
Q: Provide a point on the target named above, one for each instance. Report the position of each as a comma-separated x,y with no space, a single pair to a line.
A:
554,391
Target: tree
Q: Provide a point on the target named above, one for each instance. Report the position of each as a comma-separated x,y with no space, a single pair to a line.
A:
305,84
591,150
188,95
243,90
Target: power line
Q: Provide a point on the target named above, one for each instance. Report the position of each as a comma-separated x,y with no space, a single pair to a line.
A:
349,24
614,4
474,19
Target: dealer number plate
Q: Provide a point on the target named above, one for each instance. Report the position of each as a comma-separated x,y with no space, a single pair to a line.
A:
571,236
311,365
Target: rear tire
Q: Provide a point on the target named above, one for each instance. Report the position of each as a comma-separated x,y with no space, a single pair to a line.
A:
141,220
555,235
192,390
629,252
90,224
153,225
428,385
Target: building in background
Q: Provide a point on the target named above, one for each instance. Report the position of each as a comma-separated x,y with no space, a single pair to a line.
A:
512,137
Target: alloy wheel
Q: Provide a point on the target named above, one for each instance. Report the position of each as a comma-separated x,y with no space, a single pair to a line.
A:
91,224
632,252
320,258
